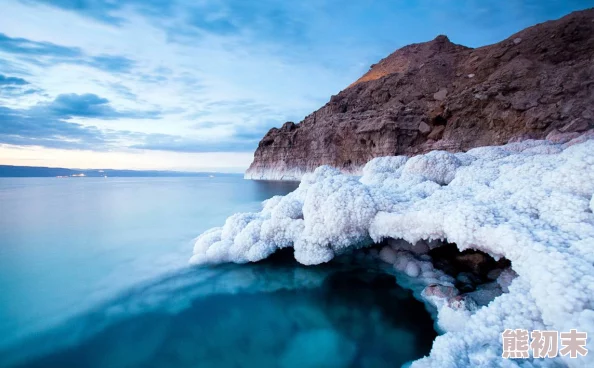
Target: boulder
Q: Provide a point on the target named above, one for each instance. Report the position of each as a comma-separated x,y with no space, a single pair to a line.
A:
436,133
424,128
440,95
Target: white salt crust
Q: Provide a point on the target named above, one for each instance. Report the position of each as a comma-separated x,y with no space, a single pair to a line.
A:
531,202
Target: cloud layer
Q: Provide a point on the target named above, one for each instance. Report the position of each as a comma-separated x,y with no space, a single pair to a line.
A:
207,76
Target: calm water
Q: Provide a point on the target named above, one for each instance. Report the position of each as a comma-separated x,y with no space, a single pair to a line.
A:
93,273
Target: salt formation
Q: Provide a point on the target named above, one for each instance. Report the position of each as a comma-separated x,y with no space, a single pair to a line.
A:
530,202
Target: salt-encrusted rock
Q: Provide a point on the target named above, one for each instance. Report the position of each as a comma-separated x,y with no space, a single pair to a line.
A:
420,247
510,90
462,302
399,244
425,257
388,255
485,293
468,279
412,269
401,262
425,266
435,243
440,291
437,166
556,136
527,203
494,274
506,278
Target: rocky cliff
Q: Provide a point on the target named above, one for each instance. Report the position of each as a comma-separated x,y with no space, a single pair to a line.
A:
441,96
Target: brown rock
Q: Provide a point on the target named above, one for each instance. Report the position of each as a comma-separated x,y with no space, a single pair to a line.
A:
524,87
424,128
576,125
556,136
436,133
441,94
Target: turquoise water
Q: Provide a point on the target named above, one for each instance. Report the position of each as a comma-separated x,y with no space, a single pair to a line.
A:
94,273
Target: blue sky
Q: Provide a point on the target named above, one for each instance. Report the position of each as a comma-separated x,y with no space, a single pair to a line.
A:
194,84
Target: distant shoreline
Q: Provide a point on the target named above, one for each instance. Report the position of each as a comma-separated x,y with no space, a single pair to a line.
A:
10,171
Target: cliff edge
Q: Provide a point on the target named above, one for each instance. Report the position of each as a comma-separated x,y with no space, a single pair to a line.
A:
538,83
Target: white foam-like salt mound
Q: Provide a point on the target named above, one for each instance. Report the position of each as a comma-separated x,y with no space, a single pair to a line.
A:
278,173
530,202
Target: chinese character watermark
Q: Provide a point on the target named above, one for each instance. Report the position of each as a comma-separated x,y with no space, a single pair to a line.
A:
573,343
515,343
544,344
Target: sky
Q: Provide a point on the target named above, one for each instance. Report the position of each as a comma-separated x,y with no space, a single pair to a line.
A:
194,84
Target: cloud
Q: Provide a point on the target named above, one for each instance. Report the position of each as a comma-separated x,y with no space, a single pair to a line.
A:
47,53
21,127
12,87
49,125
12,81
7,66
111,63
163,142
17,91
98,9
123,91
105,10
23,46
88,105
268,19
210,124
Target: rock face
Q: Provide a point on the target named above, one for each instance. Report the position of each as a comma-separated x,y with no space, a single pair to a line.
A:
442,96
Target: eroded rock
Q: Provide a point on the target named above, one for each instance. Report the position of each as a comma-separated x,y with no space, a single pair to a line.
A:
485,96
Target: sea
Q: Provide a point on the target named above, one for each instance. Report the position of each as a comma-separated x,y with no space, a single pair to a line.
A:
94,273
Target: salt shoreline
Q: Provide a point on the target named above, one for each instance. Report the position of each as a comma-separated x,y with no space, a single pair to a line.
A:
530,202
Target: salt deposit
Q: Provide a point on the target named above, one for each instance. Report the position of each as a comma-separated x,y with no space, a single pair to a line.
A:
530,202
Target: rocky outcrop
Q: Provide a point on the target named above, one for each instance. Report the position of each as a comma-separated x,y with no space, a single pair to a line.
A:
441,96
